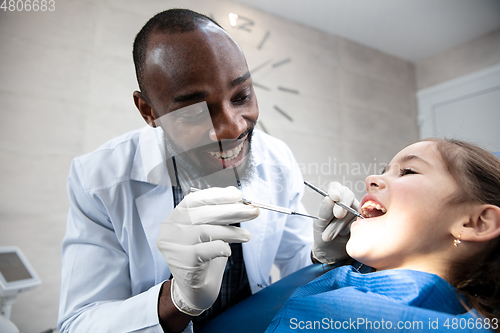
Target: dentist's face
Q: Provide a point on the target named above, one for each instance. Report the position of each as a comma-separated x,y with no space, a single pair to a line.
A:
205,65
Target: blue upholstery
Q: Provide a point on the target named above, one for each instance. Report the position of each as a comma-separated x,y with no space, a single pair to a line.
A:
254,314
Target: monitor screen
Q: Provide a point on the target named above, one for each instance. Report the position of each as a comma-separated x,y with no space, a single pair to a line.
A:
12,267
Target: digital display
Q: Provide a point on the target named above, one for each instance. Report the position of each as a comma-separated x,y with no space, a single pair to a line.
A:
12,267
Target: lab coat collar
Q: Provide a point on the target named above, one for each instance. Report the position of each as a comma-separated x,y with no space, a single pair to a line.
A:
149,162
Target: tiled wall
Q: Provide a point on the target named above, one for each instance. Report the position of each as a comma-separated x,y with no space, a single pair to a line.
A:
66,83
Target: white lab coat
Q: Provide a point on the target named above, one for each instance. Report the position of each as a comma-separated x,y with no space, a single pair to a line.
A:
112,270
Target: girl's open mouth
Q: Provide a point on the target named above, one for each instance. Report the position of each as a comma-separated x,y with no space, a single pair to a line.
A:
372,209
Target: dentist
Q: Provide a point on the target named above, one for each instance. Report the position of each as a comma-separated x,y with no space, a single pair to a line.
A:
140,252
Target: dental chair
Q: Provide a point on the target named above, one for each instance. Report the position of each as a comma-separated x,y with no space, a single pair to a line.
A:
254,314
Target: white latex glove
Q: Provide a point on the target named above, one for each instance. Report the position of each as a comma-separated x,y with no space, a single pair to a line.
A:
331,236
194,242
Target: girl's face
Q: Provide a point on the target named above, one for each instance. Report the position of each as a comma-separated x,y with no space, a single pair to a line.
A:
408,220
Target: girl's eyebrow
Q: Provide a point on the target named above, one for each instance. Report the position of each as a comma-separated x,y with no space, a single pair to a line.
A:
413,157
406,158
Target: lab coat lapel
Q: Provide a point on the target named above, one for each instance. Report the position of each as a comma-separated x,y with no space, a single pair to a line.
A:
155,205
252,250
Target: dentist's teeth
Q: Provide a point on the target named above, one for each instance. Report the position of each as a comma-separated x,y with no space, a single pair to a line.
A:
228,155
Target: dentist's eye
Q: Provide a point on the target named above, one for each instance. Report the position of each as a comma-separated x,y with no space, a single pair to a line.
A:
193,116
242,99
406,171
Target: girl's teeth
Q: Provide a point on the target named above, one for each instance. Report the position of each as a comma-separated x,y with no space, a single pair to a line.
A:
369,206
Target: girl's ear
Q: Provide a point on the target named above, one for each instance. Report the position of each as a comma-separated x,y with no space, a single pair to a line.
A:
484,224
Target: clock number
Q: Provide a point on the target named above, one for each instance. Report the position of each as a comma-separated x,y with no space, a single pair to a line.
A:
283,113
262,126
258,85
288,90
260,66
243,23
263,40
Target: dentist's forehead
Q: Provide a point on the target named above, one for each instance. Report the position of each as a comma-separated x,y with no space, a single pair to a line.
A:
207,41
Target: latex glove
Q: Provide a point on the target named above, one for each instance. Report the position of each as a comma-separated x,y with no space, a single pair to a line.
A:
331,236
194,242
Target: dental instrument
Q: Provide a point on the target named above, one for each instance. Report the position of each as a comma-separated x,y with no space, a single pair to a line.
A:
340,203
273,208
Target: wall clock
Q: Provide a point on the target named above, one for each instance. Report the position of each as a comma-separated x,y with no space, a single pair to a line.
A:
265,65
299,83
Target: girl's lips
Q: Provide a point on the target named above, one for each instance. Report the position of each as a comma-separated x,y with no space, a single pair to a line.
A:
369,197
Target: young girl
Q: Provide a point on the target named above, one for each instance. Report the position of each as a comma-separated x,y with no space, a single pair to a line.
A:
432,232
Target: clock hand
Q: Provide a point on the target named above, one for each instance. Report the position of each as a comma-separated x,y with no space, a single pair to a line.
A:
258,85
282,62
260,66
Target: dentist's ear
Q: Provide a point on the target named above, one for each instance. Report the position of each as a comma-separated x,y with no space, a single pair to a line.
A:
484,224
144,108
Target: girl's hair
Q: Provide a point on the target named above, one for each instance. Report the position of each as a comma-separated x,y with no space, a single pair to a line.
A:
478,173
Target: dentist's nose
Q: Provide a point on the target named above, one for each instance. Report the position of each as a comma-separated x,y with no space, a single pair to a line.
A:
228,123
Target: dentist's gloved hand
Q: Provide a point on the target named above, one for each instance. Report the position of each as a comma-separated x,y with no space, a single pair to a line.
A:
331,236
194,242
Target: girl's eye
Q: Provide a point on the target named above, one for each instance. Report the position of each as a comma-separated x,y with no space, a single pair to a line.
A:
406,171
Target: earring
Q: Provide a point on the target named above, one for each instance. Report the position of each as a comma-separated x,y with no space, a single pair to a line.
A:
457,241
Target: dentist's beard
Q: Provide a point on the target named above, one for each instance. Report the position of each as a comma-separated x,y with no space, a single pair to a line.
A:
187,173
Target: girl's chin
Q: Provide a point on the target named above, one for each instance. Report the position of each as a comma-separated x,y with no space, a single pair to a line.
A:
359,247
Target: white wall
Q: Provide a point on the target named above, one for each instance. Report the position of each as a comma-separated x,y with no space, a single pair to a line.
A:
474,55
466,108
459,91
